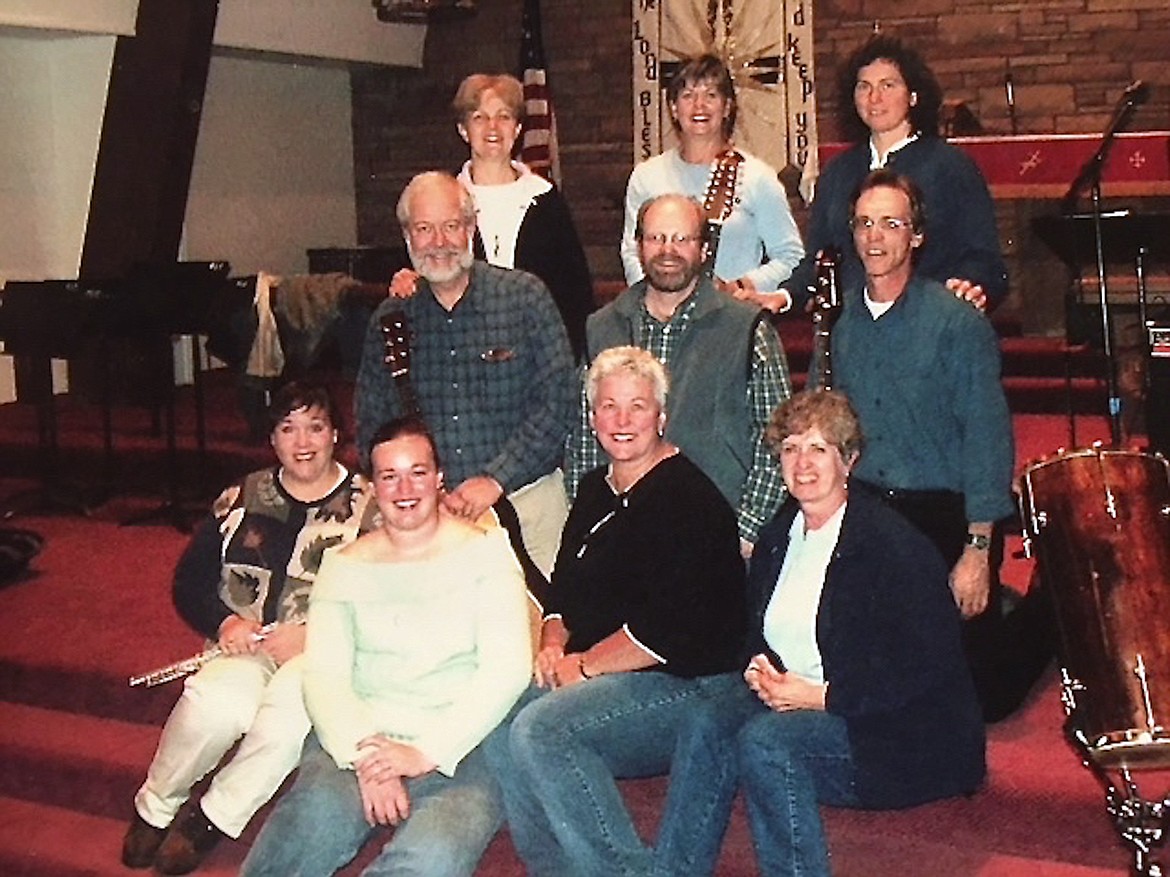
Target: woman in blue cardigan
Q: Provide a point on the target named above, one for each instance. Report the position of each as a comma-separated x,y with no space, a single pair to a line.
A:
890,104
856,692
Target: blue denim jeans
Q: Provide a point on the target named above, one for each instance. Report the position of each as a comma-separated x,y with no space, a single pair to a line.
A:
785,763
318,826
558,759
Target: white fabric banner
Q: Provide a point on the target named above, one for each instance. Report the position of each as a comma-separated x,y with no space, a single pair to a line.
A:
768,47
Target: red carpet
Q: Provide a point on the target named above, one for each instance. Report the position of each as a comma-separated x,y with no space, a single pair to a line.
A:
96,609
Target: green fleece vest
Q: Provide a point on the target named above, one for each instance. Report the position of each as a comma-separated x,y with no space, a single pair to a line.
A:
707,412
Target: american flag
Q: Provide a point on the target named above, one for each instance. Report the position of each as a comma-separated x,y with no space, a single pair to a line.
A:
538,145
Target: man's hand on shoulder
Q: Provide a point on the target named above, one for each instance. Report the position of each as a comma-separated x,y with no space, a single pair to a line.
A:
473,497
745,290
404,283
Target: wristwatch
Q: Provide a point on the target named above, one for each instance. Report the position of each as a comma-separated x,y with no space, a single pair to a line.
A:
979,541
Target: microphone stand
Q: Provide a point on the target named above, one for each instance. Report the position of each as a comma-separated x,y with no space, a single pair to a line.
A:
1090,174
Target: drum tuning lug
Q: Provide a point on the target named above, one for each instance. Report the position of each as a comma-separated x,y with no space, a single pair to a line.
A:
1069,688
1165,511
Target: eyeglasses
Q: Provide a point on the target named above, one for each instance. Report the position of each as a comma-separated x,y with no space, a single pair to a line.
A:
449,228
888,223
678,239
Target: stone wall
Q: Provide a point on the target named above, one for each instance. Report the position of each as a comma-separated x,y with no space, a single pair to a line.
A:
1069,61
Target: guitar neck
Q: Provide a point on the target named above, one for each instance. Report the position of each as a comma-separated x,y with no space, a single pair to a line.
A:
406,395
719,201
714,229
827,307
821,365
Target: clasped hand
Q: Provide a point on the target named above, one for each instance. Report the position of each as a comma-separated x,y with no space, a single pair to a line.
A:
552,668
780,690
381,774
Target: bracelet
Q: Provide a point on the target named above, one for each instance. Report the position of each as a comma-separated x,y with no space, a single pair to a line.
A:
581,666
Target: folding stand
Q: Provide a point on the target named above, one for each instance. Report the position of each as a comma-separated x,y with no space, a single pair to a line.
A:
39,322
171,300
1117,237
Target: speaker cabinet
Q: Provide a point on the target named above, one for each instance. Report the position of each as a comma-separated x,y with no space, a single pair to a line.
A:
1158,393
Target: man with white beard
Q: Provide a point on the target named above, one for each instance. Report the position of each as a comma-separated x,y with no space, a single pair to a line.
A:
489,363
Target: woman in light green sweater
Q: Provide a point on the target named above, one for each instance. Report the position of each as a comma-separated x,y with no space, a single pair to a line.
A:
417,647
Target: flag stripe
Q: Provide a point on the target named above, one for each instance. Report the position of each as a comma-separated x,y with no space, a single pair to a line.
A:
538,145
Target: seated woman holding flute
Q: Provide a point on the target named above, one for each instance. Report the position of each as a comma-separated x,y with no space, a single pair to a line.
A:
250,565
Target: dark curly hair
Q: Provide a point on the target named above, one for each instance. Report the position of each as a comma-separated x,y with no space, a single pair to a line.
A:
924,115
296,396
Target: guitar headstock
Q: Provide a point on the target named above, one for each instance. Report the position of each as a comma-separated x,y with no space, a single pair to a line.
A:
396,342
720,197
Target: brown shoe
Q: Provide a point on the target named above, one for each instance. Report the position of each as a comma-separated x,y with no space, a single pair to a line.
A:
187,843
141,842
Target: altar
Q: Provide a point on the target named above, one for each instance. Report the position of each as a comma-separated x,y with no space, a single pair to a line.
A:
1043,165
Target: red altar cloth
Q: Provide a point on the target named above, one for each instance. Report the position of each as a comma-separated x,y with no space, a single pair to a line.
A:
1044,165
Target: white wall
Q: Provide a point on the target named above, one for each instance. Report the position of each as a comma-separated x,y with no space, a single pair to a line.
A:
48,149
87,16
273,168
50,122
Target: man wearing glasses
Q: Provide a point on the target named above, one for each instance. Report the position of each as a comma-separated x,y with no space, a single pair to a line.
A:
922,369
727,368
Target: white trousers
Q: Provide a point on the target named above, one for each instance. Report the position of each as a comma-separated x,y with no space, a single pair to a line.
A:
542,508
231,697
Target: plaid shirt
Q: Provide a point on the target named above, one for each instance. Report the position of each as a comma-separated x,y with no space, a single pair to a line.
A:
768,385
493,377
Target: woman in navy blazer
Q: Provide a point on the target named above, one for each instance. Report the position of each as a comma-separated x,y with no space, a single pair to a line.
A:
855,693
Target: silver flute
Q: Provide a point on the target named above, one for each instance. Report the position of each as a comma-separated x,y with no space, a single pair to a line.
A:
187,666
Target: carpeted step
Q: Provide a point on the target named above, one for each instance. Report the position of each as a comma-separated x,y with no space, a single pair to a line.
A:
40,840
1049,356
92,692
1055,395
70,760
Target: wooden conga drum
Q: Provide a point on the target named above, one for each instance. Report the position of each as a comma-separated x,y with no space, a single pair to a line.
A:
1099,524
